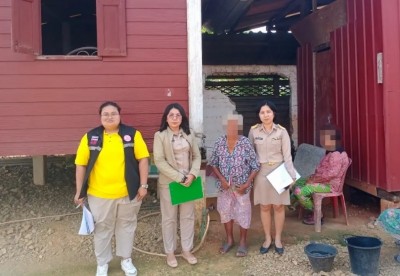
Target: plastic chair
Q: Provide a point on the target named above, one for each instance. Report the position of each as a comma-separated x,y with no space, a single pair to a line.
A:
318,197
306,161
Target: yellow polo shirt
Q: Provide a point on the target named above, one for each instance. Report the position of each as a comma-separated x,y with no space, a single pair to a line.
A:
107,178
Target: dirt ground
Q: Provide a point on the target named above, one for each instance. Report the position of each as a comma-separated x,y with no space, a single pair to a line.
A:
50,245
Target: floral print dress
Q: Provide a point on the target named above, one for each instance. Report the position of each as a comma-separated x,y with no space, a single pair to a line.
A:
236,168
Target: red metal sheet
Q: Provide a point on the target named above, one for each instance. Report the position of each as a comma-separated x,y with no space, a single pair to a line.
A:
391,90
359,108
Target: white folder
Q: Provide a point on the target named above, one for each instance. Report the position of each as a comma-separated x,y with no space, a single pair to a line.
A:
280,178
87,224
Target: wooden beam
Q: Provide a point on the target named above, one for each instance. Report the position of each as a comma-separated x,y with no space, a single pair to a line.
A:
200,209
363,186
386,204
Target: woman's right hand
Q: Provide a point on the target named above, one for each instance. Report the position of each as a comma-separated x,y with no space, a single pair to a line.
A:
224,184
78,201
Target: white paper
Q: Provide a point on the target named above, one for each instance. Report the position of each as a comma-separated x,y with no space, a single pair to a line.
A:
87,224
280,178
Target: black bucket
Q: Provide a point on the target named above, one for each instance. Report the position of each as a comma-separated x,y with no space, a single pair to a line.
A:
321,256
364,253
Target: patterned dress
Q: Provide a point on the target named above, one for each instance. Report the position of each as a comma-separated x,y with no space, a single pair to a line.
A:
327,178
390,221
236,168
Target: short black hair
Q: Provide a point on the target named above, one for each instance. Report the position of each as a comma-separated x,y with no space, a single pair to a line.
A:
103,105
266,103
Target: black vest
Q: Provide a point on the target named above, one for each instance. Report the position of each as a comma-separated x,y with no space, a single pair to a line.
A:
95,144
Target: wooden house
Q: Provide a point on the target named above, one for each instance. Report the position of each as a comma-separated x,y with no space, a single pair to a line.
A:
59,60
149,54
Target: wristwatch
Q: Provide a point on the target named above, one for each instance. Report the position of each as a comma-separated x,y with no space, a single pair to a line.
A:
184,179
144,186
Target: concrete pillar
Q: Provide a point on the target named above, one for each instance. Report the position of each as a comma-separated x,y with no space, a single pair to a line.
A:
200,215
39,169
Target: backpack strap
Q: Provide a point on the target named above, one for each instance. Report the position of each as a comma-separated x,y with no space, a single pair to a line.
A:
95,144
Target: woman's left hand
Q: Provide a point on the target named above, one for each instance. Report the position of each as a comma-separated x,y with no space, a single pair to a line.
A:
189,180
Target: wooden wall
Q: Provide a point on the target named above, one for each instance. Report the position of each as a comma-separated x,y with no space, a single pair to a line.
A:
47,105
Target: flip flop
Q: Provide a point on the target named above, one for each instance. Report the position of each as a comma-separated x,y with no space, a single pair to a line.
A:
226,247
397,258
242,251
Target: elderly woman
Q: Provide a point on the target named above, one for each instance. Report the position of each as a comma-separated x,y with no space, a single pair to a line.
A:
111,171
177,157
327,178
235,164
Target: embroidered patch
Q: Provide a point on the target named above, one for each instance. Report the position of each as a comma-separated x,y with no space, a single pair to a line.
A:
93,140
127,138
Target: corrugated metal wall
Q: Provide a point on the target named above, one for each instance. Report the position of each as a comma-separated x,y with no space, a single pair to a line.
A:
305,92
391,90
358,96
366,111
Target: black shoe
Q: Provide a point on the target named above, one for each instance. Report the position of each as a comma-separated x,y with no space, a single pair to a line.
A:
279,250
264,250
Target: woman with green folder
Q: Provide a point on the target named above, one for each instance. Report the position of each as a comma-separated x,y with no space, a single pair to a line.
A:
177,157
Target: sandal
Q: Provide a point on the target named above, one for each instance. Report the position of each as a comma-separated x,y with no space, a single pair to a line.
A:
189,257
310,221
171,260
226,247
242,251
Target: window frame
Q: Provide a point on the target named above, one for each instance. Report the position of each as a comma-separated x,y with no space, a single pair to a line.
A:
110,16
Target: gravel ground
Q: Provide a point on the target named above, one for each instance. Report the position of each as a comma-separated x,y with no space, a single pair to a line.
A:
38,223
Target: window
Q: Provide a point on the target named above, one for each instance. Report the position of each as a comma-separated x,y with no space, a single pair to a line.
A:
67,26
62,27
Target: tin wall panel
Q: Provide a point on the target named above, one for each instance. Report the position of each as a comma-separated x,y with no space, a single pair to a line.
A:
391,89
359,108
305,95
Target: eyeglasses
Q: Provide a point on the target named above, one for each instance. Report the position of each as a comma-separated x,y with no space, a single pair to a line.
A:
177,116
106,115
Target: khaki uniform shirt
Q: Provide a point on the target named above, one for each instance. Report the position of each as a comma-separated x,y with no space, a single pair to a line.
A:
170,169
273,147
181,149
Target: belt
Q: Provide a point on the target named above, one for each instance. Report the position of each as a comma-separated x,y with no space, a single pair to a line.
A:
270,163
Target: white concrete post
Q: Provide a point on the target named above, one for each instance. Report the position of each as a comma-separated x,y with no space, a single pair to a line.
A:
195,65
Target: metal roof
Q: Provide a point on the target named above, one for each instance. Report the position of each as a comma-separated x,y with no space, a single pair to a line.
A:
232,16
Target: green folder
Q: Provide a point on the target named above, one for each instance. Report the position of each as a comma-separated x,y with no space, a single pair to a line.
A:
181,194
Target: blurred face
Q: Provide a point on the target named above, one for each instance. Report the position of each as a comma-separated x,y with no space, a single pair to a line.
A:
110,117
232,127
266,115
327,139
174,118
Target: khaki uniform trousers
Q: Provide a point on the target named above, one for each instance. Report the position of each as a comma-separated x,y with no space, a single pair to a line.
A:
113,217
169,223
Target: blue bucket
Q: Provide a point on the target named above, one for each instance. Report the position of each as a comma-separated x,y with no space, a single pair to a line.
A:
364,253
321,256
